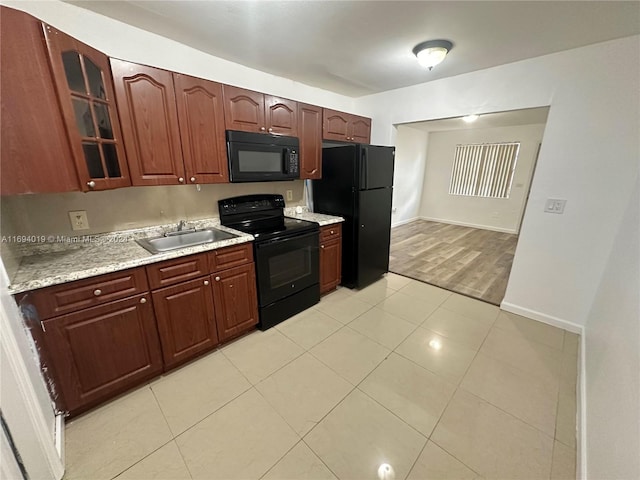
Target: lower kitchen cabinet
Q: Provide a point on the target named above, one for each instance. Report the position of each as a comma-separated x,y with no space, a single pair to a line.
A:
99,352
186,320
235,300
330,257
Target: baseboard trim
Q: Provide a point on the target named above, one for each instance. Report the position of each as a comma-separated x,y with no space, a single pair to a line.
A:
404,222
472,225
581,451
542,317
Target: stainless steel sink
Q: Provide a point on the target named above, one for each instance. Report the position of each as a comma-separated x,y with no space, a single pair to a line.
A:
183,239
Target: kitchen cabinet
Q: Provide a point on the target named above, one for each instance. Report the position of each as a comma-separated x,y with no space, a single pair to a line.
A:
249,111
235,300
186,320
173,126
330,257
96,353
86,97
194,314
345,127
202,131
35,155
97,337
147,105
310,132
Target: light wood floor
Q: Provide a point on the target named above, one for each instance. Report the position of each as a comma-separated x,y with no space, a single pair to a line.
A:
466,260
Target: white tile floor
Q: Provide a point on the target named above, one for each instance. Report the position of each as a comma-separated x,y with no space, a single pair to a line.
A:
434,384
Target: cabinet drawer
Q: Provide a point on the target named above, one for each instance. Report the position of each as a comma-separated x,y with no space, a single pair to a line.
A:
230,257
71,297
330,231
178,270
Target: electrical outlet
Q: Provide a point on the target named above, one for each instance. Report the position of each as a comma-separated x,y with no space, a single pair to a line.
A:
289,195
79,220
554,205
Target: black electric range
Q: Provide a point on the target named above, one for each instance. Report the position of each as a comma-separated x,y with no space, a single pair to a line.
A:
285,253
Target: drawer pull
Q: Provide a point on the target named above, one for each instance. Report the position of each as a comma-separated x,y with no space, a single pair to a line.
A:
206,282
321,246
217,279
97,292
331,232
143,300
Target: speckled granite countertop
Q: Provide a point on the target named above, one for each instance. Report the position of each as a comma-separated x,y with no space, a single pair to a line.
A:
63,259
319,218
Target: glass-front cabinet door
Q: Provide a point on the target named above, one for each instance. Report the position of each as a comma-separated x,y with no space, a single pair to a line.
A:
85,90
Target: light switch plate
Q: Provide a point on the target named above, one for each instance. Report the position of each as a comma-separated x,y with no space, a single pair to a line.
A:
554,205
79,220
289,195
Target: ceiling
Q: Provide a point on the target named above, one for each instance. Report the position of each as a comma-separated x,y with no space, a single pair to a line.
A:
527,116
362,47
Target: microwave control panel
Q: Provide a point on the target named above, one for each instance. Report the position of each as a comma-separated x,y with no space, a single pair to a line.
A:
293,161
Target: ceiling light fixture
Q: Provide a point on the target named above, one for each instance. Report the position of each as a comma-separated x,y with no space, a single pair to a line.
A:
471,118
431,53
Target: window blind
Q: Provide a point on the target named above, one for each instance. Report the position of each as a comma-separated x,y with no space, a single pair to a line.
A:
484,170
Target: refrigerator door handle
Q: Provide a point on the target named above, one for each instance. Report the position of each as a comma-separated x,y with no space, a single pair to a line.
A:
364,167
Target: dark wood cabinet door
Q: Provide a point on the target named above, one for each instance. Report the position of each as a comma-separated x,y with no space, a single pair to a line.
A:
147,105
236,300
102,351
281,116
310,132
86,94
186,320
335,125
35,155
243,109
360,129
202,131
330,264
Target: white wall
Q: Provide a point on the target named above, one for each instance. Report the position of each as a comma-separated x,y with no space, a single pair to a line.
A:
24,399
500,214
408,175
589,157
612,346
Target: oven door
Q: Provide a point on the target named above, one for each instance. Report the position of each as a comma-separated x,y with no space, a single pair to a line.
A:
253,162
286,266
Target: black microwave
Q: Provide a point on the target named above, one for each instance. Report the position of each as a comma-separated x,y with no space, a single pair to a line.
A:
261,157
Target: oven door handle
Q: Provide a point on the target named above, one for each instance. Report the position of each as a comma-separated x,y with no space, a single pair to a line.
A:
284,239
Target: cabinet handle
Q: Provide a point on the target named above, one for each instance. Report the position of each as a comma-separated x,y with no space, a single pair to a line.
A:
206,282
347,138
217,279
262,129
97,292
270,129
143,300
231,285
321,246
91,184
181,180
362,225
193,179
331,232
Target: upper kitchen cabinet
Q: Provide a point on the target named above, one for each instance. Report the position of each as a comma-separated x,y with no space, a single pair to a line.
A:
147,105
345,127
201,119
83,82
250,111
310,131
35,156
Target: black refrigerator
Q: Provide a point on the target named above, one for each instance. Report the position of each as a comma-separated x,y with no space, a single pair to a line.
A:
357,184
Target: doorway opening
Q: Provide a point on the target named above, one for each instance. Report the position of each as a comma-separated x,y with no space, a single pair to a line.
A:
460,192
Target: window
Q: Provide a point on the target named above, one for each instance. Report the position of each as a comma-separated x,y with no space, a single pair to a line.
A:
484,170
